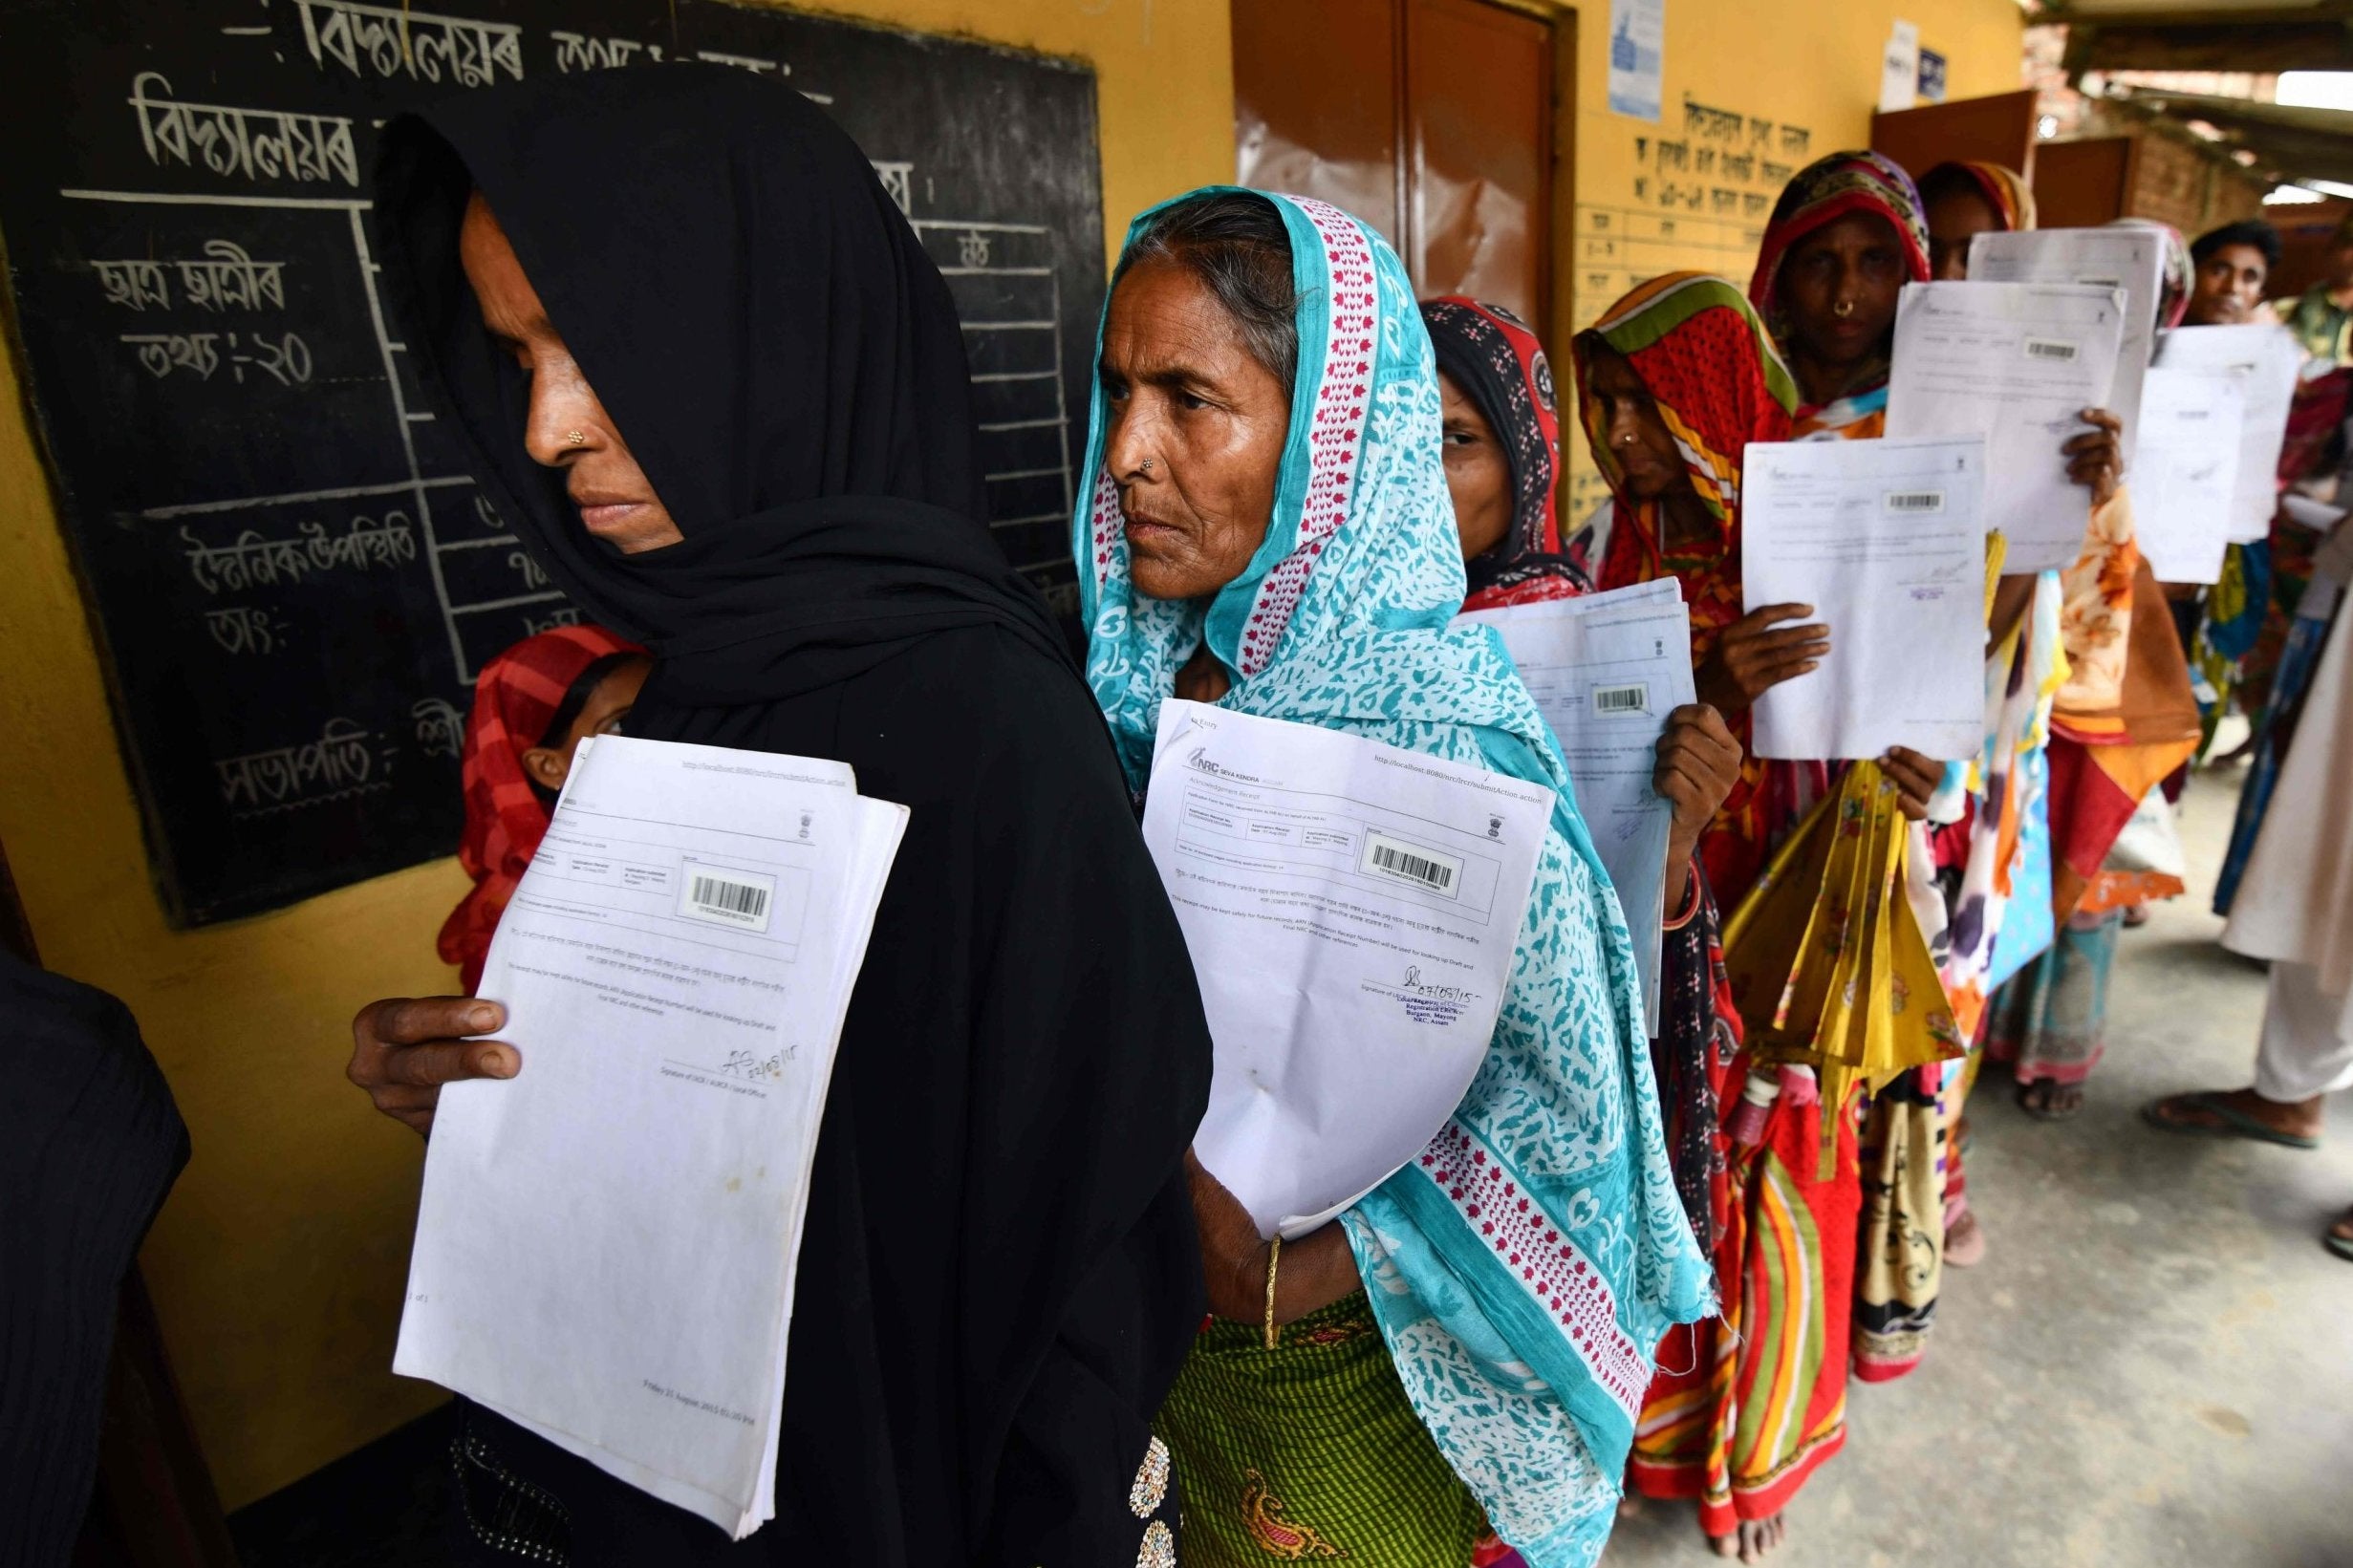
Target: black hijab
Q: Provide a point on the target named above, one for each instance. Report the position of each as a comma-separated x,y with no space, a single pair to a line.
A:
762,322
998,1275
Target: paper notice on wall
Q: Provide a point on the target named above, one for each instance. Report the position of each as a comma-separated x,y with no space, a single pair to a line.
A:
1899,69
1637,56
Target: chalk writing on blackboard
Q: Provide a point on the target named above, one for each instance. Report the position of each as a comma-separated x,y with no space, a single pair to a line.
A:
296,577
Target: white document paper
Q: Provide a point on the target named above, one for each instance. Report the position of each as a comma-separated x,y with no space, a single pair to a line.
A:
1886,540
2131,259
2183,489
606,1244
2269,359
2309,512
1606,671
1899,68
1352,910
2016,363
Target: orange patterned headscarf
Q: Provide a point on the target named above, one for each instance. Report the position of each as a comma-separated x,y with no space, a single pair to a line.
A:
1702,353
1701,349
516,699
2004,190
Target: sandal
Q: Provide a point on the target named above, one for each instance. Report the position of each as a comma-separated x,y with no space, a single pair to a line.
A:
2234,1123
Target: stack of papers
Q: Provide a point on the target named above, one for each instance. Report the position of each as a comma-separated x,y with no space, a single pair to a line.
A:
1606,671
1886,540
2266,359
2185,490
1352,910
2016,363
606,1244
2129,258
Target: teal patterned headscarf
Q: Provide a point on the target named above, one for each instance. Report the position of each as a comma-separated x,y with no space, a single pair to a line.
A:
1525,1266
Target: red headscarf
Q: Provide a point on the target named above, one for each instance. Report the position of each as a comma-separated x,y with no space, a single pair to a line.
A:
515,700
1702,353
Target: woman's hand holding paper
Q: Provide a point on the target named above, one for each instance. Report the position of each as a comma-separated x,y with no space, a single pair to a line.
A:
1751,656
404,1048
1698,763
2095,457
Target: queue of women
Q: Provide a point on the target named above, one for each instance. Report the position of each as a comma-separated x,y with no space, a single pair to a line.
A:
708,371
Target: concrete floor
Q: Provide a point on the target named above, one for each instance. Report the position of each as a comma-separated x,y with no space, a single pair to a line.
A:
2154,1364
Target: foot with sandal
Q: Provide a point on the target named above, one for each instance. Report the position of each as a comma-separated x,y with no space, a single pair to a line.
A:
2238,1113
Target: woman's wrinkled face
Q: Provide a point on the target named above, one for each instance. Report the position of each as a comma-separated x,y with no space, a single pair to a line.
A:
1954,219
1478,471
566,427
2229,286
1839,285
1629,426
1196,433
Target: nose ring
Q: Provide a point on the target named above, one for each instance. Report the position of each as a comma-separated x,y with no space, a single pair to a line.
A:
1145,465
1843,308
575,437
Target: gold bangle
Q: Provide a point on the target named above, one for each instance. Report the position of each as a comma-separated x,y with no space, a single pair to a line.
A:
1274,1260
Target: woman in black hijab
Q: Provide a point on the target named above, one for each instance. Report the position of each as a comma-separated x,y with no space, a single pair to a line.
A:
999,1277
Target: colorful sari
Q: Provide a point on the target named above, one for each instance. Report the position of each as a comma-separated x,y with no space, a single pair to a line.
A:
2317,611
1496,362
2126,717
1702,353
1905,1127
1522,1269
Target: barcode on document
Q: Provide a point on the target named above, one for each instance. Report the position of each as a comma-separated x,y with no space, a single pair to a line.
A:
1630,698
739,900
2049,348
1412,863
1915,500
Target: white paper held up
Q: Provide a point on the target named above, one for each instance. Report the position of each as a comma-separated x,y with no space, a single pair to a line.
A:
1352,910
2128,258
606,1244
2185,485
2268,357
1886,540
1606,669
2016,363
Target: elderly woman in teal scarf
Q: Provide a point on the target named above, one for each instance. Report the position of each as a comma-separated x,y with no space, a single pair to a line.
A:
1265,525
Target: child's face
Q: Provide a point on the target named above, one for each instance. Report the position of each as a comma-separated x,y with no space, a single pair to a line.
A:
600,715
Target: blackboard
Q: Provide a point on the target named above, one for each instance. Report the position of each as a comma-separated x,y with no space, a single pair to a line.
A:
293,579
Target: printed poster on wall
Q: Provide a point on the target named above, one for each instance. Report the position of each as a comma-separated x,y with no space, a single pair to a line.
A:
1637,53
1931,76
1899,77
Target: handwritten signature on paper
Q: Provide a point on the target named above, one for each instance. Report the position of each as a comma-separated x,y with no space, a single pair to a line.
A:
751,1064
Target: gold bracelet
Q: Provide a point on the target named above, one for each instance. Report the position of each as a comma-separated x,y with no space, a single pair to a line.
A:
1274,1260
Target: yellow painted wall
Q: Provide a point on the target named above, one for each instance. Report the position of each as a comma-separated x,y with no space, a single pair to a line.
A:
1803,64
277,1264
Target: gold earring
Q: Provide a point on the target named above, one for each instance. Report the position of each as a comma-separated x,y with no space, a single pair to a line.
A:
575,437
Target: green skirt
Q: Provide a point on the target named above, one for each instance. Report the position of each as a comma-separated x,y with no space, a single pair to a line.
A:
1308,1451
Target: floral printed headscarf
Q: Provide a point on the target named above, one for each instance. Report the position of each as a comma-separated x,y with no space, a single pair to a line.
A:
1494,357
1823,192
